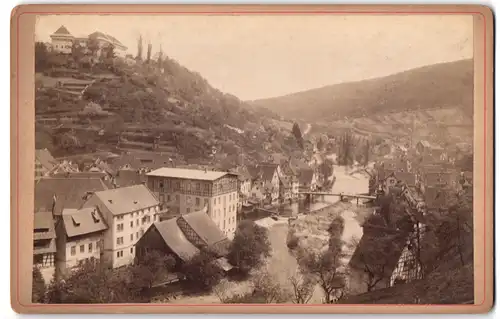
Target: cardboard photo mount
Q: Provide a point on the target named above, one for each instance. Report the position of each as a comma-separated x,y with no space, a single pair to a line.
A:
22,153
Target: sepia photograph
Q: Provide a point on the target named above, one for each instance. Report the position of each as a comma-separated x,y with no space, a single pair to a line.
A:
254,159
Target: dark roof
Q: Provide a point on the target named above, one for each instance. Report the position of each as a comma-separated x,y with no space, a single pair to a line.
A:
175,239
62,30
127,199
83,221
204,227
306,175
126,177
45,158
69,191
267,170
43,226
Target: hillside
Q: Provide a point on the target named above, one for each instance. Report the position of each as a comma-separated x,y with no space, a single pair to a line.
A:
123,104
427,88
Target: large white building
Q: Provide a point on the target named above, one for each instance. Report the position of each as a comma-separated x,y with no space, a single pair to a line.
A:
187,190
128,212
62,41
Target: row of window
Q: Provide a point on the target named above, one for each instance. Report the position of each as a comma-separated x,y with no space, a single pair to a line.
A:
119,254
144,220
119,240
90,248
132,215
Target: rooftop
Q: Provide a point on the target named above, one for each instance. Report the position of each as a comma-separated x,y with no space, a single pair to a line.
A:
175,239
83,221
127,199
184,173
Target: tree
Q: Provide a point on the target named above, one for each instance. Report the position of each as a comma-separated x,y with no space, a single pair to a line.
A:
326,266
249,246
326,168
148,54
139,49
41,55
320,144
302,287
366,153
346,149
93,46
38,286
202,272
91,282
151,268
264,290
297,133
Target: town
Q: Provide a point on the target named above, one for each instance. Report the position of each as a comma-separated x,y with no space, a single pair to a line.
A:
123,215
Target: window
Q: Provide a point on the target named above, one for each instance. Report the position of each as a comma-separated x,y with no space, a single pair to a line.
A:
131,237
168,198
137,222
224,212
131,250
205,202
142,232
119,227
137,235
90,247
148,219
177,198
132,224
155,217
219,200
119,241
82,248
119,253
197,187
198,201
73,250
215,201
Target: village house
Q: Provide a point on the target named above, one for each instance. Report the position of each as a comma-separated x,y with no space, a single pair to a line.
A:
429,150
44,163
79,237
265,182
244,185
184,237
186,190
44,244
62,40
308,180
128,212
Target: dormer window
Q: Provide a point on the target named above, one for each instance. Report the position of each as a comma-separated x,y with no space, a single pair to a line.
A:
75,222
95,217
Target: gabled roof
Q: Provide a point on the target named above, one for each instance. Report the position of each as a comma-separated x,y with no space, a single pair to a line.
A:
45,158
306,175
204,227
83,221
175,239
127,199
43,226
62,31
126,177
69,191
183,173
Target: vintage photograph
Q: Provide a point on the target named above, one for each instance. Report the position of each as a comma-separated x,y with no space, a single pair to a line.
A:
253,159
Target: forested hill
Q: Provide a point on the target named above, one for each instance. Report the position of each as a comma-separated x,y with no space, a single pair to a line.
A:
142,99
446,84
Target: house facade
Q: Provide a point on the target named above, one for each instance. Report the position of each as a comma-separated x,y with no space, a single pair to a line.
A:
44,244
62,40
79,237
266,182
184,191
128,212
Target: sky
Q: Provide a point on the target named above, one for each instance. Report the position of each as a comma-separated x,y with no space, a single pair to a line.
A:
256,57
